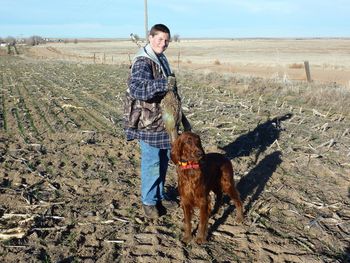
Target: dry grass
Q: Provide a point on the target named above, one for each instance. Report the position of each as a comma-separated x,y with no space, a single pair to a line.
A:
328,58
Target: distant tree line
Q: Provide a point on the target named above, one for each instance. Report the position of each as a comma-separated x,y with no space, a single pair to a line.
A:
136,39
32,41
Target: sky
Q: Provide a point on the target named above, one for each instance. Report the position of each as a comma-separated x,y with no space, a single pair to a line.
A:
186,18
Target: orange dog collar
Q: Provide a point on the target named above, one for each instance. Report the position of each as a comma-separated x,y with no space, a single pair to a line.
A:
188,165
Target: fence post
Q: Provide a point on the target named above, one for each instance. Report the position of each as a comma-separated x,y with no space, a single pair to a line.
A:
307,70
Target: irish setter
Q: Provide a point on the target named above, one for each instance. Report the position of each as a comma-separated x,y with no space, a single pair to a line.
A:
198,174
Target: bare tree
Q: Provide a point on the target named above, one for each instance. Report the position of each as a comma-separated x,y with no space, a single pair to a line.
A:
11,44
176,38
35,40
11,41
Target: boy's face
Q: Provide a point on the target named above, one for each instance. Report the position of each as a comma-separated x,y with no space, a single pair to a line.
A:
159,42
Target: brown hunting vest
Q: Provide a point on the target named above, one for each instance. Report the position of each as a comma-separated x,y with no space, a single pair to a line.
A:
144,115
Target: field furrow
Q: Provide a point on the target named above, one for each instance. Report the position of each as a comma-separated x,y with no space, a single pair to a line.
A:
76,101
42,118
13,107
3,116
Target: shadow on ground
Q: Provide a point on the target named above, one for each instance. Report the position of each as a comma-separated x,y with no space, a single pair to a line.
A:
253,184
258,140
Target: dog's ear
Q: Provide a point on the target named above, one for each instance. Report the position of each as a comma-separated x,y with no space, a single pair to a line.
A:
176,150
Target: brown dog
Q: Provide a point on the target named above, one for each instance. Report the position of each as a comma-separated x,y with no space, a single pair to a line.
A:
198,174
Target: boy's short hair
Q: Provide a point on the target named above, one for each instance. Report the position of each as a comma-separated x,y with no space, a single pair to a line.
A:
159,27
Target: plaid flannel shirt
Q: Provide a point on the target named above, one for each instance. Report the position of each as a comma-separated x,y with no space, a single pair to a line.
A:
143,86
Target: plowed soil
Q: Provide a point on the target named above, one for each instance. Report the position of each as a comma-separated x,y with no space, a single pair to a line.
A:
70,184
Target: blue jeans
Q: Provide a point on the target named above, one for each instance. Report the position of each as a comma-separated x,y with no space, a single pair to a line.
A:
154,165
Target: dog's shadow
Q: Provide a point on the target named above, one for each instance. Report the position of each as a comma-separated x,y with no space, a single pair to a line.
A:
254,182
250,185
257,140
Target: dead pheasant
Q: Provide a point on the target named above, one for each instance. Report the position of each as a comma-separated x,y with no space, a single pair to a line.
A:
171,109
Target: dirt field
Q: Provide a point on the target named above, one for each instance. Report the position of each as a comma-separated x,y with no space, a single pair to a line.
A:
69,182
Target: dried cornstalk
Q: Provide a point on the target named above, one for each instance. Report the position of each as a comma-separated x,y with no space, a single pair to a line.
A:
324,127
121,219
305,243
49,228
244,106
16,232
346,132
9,216
329,144
316,113
71,106
275,142
117,241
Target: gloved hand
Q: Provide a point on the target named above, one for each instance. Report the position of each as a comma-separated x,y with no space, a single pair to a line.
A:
172,83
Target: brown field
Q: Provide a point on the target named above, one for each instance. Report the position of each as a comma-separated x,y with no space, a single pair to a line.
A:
270,58
69,182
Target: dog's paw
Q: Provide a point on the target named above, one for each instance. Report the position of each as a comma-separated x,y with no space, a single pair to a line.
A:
186,239
239,218
201,240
